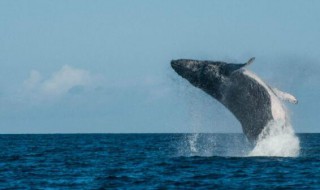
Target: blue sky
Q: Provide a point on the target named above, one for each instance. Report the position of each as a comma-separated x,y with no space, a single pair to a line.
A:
103,66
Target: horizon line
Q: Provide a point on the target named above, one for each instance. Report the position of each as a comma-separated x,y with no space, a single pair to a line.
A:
135,133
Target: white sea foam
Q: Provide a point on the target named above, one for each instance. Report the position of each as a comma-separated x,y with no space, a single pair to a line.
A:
277,139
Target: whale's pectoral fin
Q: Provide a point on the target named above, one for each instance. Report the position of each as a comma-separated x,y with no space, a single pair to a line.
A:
285,96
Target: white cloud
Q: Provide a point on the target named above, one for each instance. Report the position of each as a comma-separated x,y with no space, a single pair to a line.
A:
59,84
33,80
65,79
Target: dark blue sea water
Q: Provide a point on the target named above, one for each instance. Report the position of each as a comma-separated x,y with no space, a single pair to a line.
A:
152,161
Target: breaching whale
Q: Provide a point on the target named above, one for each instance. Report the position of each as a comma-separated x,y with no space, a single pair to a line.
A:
253,102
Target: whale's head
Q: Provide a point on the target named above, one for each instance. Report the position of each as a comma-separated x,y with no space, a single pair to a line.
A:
197,72
207,75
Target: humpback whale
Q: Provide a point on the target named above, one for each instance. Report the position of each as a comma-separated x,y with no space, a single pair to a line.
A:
252,101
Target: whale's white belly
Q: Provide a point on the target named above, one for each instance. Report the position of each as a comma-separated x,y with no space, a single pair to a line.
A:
277,108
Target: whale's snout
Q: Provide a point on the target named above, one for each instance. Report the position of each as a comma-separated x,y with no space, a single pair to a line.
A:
187,68
180,65
175,64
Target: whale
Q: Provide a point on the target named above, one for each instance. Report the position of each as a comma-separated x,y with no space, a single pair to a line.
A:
252,101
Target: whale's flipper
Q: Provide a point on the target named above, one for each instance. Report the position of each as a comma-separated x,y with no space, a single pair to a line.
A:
285,96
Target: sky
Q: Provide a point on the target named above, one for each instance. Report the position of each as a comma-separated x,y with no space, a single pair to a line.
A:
104,66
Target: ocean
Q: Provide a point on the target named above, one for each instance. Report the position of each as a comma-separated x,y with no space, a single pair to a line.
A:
153,161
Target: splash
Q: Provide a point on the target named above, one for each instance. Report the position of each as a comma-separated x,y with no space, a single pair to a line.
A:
213,144
196,144
193,143
277,139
